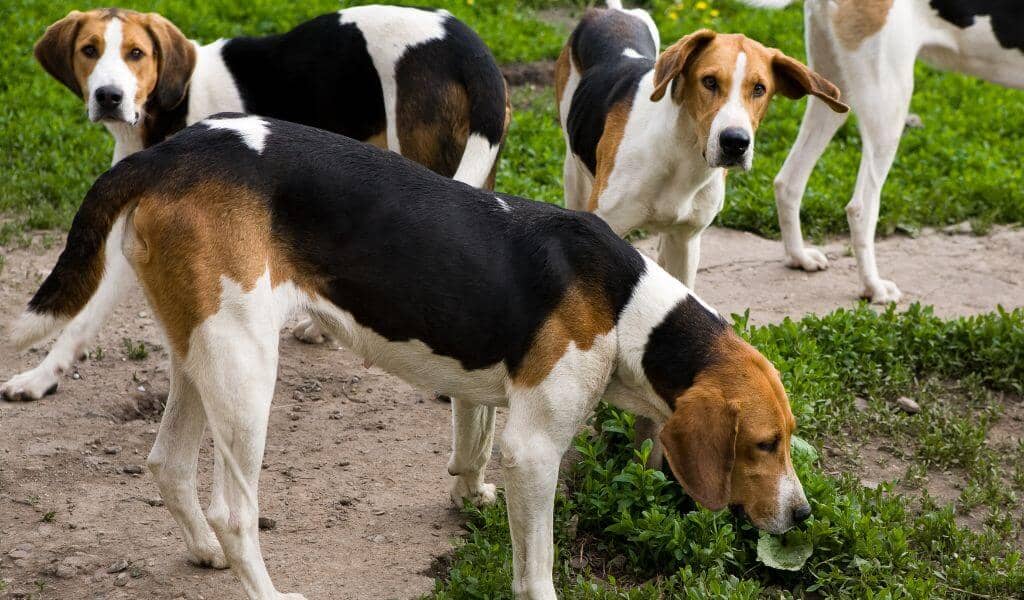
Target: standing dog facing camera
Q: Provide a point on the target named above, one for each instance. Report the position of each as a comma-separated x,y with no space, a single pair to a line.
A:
493,299
415,81
648,137
868,47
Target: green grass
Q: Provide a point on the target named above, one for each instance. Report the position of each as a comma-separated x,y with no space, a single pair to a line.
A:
868,543
51,153
963,165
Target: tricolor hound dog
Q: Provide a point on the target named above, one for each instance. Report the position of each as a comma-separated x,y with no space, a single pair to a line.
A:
868,47
418,82
493,299
648,137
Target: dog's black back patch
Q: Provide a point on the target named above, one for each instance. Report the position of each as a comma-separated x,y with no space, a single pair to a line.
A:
1007,17
410,254
599,48
319,74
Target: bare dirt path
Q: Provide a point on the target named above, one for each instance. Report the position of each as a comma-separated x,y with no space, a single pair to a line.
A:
355,465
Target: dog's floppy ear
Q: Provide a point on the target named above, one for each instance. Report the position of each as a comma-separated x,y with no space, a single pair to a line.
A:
793,79
700,444
55,51
176,59
673,60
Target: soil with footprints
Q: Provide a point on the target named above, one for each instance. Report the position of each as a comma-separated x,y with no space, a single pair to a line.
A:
354,490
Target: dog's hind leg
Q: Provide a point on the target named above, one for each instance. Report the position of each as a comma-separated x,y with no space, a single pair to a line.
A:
472,439
820,124
233,361
884,76
173,464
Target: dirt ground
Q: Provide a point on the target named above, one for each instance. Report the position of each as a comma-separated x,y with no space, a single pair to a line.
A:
355,465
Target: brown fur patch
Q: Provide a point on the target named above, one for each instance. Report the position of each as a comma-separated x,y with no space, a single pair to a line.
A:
856,20
712,438
583,314
608,147
379,140
180,252
563,67
435,143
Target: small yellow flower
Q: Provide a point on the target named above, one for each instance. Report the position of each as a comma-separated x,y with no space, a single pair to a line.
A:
673,15
701,5
714,12
470,2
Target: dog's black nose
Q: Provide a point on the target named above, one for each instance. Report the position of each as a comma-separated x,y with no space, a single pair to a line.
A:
734,141
801,513
109,97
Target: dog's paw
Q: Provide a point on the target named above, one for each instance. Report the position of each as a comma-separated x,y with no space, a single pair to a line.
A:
30,385
810,259
308,332
881,291
483,495
208,557
283,596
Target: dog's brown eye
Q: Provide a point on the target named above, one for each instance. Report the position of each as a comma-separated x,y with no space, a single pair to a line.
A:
135,54
769,446
710,83
759,90
89,51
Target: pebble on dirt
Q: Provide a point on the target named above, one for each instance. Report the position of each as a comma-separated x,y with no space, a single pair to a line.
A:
266,523
117,567
908,406
132,469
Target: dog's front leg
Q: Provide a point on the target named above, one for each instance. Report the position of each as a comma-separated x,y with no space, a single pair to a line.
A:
541,423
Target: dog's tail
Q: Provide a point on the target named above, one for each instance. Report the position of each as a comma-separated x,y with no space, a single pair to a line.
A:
767,3
616,4
490,110
79,280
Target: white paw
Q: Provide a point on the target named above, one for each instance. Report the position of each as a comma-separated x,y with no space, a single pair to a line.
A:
811,259
283,596
208,557
881,291
483,495
30,385
308,332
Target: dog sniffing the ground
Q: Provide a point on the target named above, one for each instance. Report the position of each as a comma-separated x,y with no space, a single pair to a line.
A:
492,299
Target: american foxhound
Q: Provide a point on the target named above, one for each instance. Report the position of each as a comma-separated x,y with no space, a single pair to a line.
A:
868,47
493,299
418,82
649,137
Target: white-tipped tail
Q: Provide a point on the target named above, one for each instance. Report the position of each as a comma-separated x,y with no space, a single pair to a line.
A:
616,4
477,161
767,3
32,327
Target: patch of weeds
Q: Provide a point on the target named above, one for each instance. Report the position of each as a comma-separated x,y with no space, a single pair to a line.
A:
3,262
49,516
97,353
135,350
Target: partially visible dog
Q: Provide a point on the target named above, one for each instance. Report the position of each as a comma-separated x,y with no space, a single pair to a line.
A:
239,221
648,137
415,81
868,48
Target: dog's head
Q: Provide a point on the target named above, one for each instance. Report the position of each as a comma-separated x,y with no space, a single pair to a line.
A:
724,83
727,440
120,62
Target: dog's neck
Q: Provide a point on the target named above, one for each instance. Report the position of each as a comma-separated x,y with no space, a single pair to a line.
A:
654,297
